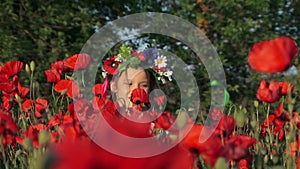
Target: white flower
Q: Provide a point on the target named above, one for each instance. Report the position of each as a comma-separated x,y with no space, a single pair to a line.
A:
160,61
104,74
168,74
119,58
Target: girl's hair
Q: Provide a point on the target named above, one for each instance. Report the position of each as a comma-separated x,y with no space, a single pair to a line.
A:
151,78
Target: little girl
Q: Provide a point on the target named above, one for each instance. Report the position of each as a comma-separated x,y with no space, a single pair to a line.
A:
128,73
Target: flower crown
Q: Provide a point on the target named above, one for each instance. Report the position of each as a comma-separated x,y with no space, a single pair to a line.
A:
127,58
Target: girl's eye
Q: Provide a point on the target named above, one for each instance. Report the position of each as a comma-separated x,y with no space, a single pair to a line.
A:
144,85
128,83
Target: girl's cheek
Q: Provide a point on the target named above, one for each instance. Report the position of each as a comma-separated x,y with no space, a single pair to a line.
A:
146,89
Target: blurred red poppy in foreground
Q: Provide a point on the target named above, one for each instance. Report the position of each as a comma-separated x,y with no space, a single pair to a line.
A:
273,55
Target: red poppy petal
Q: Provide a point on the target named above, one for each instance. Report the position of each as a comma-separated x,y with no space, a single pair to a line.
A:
41,104
71,87
12,68
139,96
78,61
52,75
97,89
273,56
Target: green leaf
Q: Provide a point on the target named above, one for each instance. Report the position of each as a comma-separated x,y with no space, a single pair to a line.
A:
122,66
227,97
134,61
214,83
125,51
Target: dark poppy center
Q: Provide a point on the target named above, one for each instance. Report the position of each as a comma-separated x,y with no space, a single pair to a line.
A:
138,102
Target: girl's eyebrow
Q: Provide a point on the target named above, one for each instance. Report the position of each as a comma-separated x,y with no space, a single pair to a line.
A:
144,82
127,81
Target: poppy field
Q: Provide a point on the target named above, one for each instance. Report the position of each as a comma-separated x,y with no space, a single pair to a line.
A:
53,131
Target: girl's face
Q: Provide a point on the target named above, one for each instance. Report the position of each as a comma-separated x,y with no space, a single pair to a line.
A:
129,80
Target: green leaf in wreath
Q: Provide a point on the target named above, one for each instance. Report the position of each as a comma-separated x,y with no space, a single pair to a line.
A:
125,51
134,62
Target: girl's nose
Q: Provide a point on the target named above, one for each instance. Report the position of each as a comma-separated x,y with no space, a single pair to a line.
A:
132,87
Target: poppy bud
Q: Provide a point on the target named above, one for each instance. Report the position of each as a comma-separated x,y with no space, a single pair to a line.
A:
27,144
290,107
44,137
32,66
253,124
221,163
239,118
256,103
27,69
19,100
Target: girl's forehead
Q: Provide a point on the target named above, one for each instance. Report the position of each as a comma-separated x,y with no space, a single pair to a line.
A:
130,73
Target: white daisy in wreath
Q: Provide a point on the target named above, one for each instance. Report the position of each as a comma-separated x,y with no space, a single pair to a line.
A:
161,61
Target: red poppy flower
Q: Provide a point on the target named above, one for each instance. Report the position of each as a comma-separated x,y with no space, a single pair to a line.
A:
12,68
296,118
101,89
294,146
59,66
225,126
273,56
98,103
52,75
139,96
140,55
26,105
243,164
237,147
6,102
268,92
297,163
165,120
109,109
40,106
32,133
286,88
97,89
111,66
8,128
208,154
8,86
71,87
22,91
93,156
83,109
278,111
78,61
216,115
53,121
